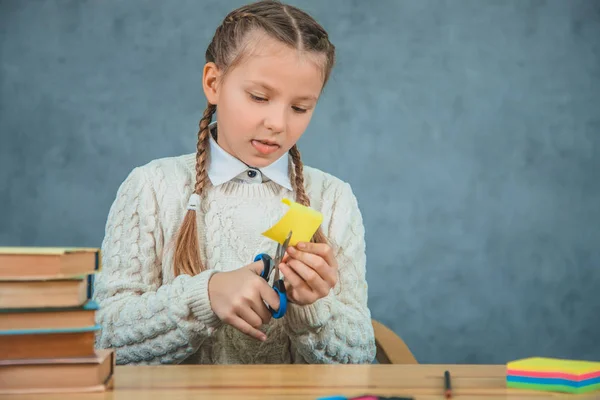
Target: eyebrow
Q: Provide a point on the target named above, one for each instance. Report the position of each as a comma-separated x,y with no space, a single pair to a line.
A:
271,89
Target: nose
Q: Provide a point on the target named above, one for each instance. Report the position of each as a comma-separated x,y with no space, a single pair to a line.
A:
275,120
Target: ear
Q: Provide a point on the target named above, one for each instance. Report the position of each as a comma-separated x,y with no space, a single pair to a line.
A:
210,78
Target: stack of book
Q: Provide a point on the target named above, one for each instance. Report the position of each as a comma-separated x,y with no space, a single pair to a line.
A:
47,322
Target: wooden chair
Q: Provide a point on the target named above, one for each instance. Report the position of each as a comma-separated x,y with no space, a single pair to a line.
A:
390,348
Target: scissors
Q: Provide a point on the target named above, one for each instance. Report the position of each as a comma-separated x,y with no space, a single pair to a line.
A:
272,266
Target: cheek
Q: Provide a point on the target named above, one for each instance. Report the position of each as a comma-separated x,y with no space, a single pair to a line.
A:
297,124
249,113
239,113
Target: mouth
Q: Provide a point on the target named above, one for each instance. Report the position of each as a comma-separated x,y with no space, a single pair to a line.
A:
267,142
265,146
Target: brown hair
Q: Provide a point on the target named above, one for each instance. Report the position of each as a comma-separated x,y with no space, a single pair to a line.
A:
287,24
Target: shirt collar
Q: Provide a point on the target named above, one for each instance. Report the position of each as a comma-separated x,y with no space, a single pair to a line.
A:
224,167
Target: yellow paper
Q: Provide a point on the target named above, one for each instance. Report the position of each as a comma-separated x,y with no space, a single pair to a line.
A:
301,220
541,364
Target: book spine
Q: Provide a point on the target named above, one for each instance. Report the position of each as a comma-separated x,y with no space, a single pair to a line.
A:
90,286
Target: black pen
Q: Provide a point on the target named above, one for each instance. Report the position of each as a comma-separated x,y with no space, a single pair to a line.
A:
447,385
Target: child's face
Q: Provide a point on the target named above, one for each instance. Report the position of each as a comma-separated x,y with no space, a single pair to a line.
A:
265,103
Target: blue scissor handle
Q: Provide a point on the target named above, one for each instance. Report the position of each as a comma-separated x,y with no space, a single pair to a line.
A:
278,287
267,262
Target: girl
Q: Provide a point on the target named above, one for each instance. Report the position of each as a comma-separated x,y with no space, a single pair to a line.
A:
178,284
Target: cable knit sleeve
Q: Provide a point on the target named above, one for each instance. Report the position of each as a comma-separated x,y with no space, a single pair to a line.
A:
337,328
147,322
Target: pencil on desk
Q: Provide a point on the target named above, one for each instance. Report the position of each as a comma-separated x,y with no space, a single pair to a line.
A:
447,385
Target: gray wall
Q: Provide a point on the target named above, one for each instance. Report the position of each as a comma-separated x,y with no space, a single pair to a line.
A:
469,130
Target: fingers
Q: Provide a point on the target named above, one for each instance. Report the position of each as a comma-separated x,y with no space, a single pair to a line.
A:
250,316
298,291
292,277
238,298
256,267
317,263
246,328
269,295
310,276
320,249
262,311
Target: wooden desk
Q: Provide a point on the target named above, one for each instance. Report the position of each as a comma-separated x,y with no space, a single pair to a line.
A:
307,382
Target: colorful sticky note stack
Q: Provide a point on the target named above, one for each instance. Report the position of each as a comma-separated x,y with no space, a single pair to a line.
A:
554,375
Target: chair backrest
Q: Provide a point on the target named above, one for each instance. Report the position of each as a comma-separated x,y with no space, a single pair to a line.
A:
390,348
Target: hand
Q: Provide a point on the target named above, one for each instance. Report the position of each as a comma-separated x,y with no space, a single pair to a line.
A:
310,271
237,297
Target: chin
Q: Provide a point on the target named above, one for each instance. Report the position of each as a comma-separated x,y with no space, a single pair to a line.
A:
260,161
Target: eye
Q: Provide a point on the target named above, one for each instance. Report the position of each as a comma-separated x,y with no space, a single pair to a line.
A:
299,110
257,98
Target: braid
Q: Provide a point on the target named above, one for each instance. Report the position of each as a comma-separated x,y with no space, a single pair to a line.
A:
202,148
298,181
298,186
187,251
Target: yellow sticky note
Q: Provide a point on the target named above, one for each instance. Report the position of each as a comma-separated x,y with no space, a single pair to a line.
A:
301,220
543,364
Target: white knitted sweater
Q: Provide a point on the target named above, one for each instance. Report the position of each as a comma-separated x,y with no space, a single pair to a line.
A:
151,317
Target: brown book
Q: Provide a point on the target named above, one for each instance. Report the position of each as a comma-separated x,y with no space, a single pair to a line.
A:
45,293
48,318
47,262
51,343
59,375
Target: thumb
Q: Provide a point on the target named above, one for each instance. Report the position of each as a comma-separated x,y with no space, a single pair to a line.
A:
256,267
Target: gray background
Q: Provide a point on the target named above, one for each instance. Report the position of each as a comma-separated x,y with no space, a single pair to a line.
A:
469,131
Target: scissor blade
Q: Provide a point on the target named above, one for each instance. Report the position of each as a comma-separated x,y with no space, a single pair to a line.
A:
281,252
282,248
286,242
